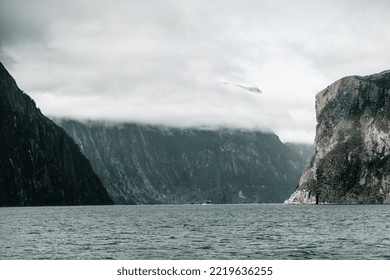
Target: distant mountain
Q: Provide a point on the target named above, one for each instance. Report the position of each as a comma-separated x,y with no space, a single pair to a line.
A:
39,163
151,164
352,159
305,151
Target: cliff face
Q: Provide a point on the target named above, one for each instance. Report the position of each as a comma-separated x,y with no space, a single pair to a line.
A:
39,163
352,146
148,164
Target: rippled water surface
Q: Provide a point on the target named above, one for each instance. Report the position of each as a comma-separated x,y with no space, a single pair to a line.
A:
196,232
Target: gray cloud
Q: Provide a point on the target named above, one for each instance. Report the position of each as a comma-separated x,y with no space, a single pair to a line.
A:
164,61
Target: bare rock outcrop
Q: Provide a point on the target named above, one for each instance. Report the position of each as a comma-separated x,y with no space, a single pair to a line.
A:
352,146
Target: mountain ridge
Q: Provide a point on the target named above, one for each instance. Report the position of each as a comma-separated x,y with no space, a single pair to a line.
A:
142,163
39,163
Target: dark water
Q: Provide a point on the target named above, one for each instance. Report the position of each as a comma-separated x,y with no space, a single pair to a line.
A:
196,232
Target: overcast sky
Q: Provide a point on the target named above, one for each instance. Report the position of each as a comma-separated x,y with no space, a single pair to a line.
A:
175,62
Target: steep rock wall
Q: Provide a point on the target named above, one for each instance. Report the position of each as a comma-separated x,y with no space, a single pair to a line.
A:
352,146
151,164
39,163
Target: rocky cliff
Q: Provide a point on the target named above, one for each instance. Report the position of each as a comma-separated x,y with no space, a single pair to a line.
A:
39,163
352,146
150,164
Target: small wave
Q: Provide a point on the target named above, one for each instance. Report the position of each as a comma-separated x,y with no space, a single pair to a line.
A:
205,247
112,243
34,232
